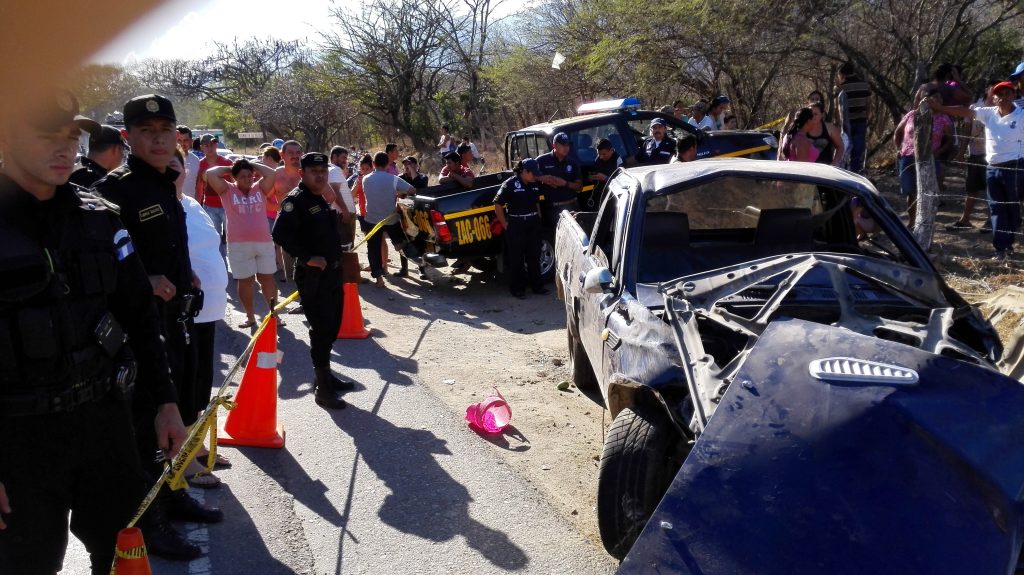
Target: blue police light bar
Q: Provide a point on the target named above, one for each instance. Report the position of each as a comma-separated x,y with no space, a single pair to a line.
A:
609,106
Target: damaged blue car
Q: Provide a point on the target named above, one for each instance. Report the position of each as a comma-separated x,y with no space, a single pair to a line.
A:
794,387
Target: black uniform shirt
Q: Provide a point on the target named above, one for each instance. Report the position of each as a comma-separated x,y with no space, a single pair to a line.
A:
566,169
518,197
88,174
655,152
152,214
55,225
306,227
419,182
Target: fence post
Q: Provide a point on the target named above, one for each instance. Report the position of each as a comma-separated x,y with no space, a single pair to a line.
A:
923,226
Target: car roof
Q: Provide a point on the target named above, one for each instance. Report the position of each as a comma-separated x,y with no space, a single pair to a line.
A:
552,126
659,178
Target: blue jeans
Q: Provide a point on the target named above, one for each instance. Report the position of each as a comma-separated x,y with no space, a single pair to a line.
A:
858,137
217,215
907,171
1005,184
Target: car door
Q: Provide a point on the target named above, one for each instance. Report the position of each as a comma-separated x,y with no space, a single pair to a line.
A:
604,251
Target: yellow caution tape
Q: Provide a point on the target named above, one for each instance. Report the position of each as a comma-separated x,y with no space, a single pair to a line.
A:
174,471
770,124
377,227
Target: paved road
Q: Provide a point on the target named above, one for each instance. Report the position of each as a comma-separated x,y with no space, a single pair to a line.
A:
393,483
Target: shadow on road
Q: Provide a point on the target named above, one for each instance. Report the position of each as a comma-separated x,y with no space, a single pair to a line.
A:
281,466
502,439
425,500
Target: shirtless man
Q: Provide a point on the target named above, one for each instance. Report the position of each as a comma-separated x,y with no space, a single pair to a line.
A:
287,177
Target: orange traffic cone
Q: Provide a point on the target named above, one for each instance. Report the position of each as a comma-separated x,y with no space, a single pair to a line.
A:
253,421
130,556
351,315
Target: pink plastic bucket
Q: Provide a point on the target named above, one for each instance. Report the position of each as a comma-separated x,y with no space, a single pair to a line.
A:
491,415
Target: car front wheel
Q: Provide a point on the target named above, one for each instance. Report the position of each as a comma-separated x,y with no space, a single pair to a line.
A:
642,454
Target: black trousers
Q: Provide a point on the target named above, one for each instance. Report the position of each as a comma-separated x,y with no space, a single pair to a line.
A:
203,341
397,236
320,291
522,246
83,463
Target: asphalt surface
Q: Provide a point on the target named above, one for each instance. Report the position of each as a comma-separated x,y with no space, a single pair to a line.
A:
392,483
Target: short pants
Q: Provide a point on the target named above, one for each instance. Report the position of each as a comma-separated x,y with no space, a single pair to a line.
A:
247,259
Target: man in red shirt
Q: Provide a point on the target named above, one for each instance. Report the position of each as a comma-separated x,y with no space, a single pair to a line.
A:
211,202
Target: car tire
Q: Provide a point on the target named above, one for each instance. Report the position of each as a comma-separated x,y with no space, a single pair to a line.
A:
583,376
638,463
547,259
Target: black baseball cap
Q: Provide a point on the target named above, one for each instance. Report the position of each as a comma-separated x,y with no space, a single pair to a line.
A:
207,138
107,136
463,148
561,138
453,156
142,108
314,159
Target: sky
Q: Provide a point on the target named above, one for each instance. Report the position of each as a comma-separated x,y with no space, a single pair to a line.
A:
187,28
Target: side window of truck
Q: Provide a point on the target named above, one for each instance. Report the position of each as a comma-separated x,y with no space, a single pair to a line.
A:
607,234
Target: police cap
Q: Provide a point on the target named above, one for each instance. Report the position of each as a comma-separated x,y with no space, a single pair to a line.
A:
658,122
531,165
142,108
56,108
314,159
107,136
561,138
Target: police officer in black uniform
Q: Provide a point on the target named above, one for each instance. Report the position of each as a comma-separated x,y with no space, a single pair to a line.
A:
106,152
307,229
658,148
516,206
144,190
560,179
74,289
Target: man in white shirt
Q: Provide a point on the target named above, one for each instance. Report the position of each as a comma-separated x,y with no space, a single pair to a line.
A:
1004,151
191,160
337,178
699,118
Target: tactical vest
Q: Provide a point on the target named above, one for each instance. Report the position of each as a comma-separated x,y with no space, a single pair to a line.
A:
52,302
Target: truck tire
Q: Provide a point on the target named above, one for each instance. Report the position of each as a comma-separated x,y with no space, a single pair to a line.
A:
579,366
547,259
637,465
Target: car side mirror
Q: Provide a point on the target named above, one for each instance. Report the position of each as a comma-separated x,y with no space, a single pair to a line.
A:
598,280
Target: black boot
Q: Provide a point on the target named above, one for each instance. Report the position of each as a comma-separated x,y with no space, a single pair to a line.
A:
161,538
326,395
342,384
182,507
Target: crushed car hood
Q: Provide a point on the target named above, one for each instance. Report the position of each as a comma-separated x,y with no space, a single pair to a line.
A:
796,474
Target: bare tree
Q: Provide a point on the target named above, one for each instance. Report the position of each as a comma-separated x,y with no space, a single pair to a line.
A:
391,60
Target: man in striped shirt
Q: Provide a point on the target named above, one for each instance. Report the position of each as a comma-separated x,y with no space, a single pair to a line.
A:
854,103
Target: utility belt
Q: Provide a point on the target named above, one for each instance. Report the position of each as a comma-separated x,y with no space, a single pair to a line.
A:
63,400
523,216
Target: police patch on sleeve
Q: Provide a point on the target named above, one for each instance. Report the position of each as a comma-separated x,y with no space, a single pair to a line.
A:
123,244
287,207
